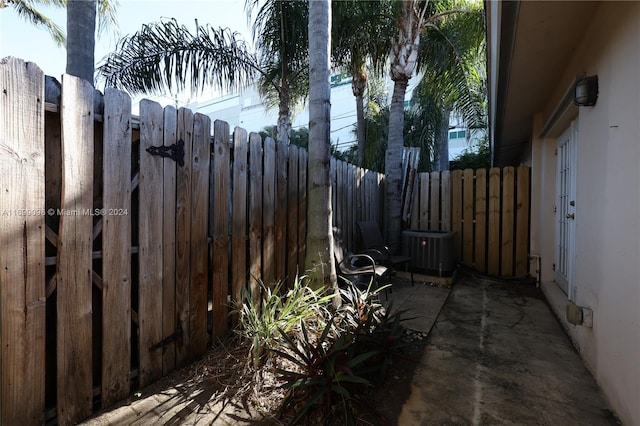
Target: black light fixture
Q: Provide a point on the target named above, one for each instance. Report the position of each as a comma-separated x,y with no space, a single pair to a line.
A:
586,91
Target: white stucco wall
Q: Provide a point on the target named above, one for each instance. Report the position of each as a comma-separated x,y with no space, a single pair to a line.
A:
607,206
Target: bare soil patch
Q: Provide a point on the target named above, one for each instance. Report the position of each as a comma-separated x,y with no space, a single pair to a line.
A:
223,388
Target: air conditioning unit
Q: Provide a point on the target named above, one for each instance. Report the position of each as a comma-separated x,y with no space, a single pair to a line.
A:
430,251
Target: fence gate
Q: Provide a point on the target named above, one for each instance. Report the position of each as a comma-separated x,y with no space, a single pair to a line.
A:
103,245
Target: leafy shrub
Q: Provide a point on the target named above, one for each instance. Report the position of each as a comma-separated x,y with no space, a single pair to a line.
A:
323,374
332,372
263,319
373,328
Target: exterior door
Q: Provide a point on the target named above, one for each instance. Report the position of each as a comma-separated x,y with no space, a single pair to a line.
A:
566,211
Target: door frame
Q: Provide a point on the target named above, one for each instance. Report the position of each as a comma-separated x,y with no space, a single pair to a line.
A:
565,210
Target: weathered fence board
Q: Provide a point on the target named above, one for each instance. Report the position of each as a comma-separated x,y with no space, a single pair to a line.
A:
340,197
255,213
269,212
493,246
22,246
522,221
150,243
280,255
434,191
74,263
480,256
302,207
361,188
352,188
508,219
425,205
199,240
183,235
169,188
292,203
220,234
445,205
467,216
239,274
356,195
456,211
116,247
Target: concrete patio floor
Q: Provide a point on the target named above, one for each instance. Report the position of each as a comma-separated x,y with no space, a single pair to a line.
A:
496,355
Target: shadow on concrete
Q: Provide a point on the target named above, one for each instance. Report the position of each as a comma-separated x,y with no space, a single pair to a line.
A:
496,355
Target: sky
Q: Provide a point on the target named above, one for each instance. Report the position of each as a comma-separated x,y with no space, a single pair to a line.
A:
22,39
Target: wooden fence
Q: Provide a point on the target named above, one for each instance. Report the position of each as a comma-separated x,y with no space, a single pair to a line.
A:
117,266
488,211
119,256
358,194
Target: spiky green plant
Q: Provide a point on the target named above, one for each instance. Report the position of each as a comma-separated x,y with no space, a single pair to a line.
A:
261,318
332,371
325,375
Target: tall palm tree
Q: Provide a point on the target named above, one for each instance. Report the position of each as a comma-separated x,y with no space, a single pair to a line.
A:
319,261
81,23
28,10
453,79
412,18
281,36
360,41
165,54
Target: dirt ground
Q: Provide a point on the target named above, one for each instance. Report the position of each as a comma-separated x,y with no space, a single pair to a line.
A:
195,395
218,390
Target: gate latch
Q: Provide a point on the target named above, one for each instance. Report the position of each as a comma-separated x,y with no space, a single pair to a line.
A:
175,152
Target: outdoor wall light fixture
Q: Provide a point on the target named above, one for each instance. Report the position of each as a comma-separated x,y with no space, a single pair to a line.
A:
586,91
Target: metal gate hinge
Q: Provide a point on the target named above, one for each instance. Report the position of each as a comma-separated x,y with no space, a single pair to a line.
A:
171,338
175,152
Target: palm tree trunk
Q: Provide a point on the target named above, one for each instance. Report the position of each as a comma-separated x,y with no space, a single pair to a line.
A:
283,129
81,30
358,86
442,142
393,162
360,129
319,262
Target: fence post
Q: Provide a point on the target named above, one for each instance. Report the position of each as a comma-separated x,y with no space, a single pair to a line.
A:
481,221
75,250
22,243
183,235
255,214
151,242
199,241
116,247
220,231
239,217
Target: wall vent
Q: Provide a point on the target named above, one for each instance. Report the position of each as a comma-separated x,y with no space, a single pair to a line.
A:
430,251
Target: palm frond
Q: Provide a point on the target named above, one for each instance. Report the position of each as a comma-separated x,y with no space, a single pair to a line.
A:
280,33
451,55
361,33
28,11
164,55
107,15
